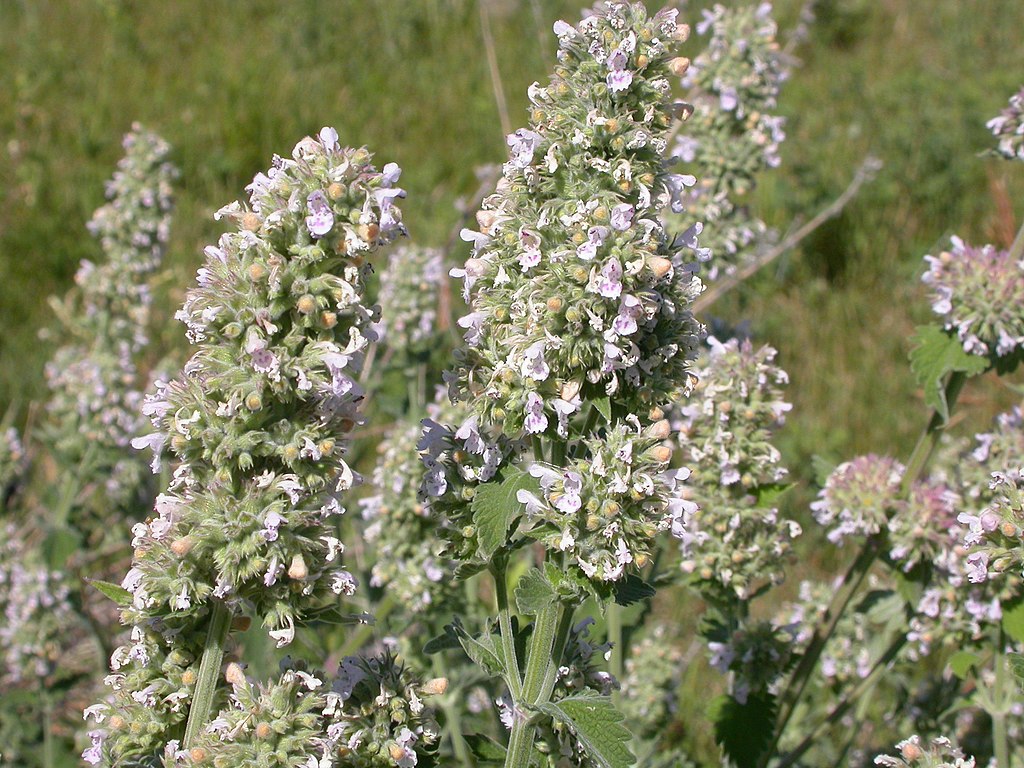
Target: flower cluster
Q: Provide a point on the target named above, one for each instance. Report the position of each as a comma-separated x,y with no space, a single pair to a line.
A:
13,464
256,423
1008,128
652,672
575,289
37,614
940,753
979,292
95,380
733,540
859,497
995,536
603,511
409,293
404,535
756,655
733,134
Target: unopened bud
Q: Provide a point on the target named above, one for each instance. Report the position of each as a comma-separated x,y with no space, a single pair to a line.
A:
435,687
659,430
368,232
257,272
306,304
661,453
642,61
679,65
642,559
297,570
570,389
659,266
335,191
263,731
328,319
197,754
182,546
655,414
251,221
253,401
397,753
555,304
911,751
234,674
1009,529
682,33
116,722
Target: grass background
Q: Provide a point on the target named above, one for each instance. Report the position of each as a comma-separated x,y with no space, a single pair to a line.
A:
230,83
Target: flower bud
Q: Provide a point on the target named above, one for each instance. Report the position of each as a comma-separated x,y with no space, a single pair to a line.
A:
197,754
659,430
679,65
264,731
336,191
328,319
554,304
253,401
368,232
306,304
234,674
251,221
659,266
257,271
661,453
182,546
435,687
682,33
297,570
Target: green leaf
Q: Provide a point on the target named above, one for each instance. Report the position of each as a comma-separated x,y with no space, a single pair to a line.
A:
604,407
1013,620
486,750
115,592
59,545
597,725
1016,661
768,495
961,663
495,508
822,468
484,652
743,730
534,592
468,570
446,642
632,589
937,353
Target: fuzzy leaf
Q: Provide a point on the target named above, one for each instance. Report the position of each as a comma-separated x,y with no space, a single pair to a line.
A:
632,589
597,725
961,663
445,642
534,592
486,750
482,650
768,495
937,353
495,508
604,407
743,730
115,592
1013,620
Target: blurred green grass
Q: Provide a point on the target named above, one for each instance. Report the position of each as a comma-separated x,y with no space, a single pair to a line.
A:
229,84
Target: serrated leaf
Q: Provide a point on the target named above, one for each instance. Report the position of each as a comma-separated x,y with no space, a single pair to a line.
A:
446,642
597,725
534,592
495,508
468,570
743,730
121,596
1013,620
632,589
604,407
485,749
937,353
1016,662
961,663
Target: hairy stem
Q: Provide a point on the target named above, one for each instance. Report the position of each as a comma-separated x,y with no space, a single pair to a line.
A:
499,571
1000,739
209,672
614,613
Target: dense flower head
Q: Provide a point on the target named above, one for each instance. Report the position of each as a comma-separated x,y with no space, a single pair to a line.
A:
979,294
859,497
994,537
604,511
733,133
404,535
732,542
410,289
95,382
1008,128
574,286
13,463
255,423
941,752
919,531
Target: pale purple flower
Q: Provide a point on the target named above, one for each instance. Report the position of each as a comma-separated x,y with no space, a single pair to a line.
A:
536,420
622,216
320,220
522,144
619,78
329,138
630,310
533,365
610,285
390,174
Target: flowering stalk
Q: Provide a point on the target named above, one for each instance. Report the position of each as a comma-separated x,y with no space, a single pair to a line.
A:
256,423
578,334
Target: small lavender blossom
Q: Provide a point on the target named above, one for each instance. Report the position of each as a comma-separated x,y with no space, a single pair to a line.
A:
979,294
256,423
410,288
733,132
941,752
647,690
13,464
994,537
1008,128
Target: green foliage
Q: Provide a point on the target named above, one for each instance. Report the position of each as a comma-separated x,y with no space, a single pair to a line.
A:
495,508
121,596
597,724
1013,620
743,730
534,592
937,354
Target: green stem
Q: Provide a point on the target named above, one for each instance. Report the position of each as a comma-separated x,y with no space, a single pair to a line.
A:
1000,740
916,464
452,720
49,758
614,613
499,571
209,672
1016,252
539,662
